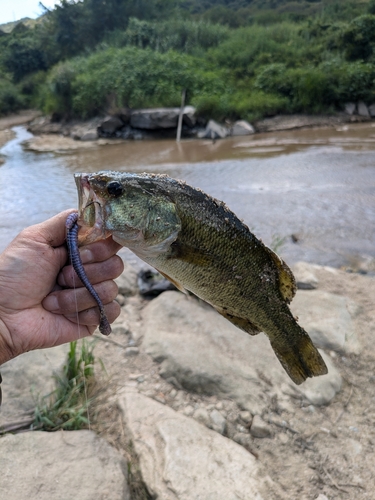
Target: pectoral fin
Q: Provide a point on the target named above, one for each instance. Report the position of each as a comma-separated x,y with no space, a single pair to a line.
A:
243,324
176,283
190,254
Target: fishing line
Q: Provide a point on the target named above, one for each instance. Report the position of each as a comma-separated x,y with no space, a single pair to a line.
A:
79,337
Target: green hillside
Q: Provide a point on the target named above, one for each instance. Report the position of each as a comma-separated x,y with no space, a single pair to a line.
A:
237,59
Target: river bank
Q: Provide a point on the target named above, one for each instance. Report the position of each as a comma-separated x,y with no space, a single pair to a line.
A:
52,136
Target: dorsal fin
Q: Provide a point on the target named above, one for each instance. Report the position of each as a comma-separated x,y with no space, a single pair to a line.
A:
287,282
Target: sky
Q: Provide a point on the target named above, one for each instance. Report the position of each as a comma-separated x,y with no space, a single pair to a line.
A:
12,10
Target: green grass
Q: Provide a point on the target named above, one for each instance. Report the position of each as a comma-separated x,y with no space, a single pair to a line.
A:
67,407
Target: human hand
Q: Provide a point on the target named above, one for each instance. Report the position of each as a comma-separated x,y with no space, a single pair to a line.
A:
42,301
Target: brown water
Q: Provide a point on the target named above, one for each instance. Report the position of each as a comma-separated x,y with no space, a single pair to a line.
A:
318,184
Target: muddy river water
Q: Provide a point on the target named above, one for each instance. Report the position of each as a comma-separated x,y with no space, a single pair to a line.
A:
313,188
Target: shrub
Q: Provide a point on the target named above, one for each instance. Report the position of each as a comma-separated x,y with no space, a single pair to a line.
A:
10,98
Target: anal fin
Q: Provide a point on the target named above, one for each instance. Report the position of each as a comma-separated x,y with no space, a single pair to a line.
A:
241,323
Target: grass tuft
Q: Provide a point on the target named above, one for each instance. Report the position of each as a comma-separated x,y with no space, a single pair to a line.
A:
67,407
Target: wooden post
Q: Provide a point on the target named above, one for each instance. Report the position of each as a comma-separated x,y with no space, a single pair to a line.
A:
179,126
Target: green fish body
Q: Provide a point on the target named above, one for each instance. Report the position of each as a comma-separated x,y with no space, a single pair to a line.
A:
200,245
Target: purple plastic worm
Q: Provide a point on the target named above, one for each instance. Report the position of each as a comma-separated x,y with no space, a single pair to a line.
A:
72,241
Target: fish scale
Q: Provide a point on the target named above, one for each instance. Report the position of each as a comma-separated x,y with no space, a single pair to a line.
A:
201,246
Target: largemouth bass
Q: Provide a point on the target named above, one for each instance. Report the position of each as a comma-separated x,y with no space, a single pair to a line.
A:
200,245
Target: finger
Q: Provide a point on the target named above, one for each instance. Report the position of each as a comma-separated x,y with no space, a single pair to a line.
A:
91,317
96,273
71,301
99,251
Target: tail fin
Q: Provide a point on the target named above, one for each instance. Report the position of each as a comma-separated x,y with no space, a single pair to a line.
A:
298,356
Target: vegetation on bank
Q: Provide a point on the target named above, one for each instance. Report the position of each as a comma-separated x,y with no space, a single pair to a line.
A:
237,59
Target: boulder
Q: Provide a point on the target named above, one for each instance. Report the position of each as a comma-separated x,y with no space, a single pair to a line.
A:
362,109
61,465
329,319
127,281
90,135
189,117
180,459
109,126
213,131
319,393
161,118
242,127
27,378
350,108
203,352
304,275
371,110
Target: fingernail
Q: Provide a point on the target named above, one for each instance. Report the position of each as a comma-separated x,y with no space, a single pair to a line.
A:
51,303
86,255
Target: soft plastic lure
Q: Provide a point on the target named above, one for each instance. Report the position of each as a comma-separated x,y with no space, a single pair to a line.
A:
72,241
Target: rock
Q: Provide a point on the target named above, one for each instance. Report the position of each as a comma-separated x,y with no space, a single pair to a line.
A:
151,283
305,277
371,110
328,318
189,117
321,390
246,416
213,131
259,428
61,465
242,439
90,135
131,351
201,351
28,378
202,416
362,109
242,127
181,459
218,422
161,118
109,126
127,281
350,108
188,410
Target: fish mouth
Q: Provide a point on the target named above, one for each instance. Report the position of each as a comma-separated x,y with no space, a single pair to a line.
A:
90,212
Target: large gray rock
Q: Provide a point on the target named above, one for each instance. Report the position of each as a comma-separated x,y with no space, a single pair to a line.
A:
242,127
371,110
201,351
181,459
363,109
127,281
213,131
319,393
60,466
305,276
329,319
350,108
110,125
161,118
28,377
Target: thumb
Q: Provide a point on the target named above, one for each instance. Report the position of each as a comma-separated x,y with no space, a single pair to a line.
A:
53,230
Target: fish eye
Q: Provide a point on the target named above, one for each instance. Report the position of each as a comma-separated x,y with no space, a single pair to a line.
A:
114,188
